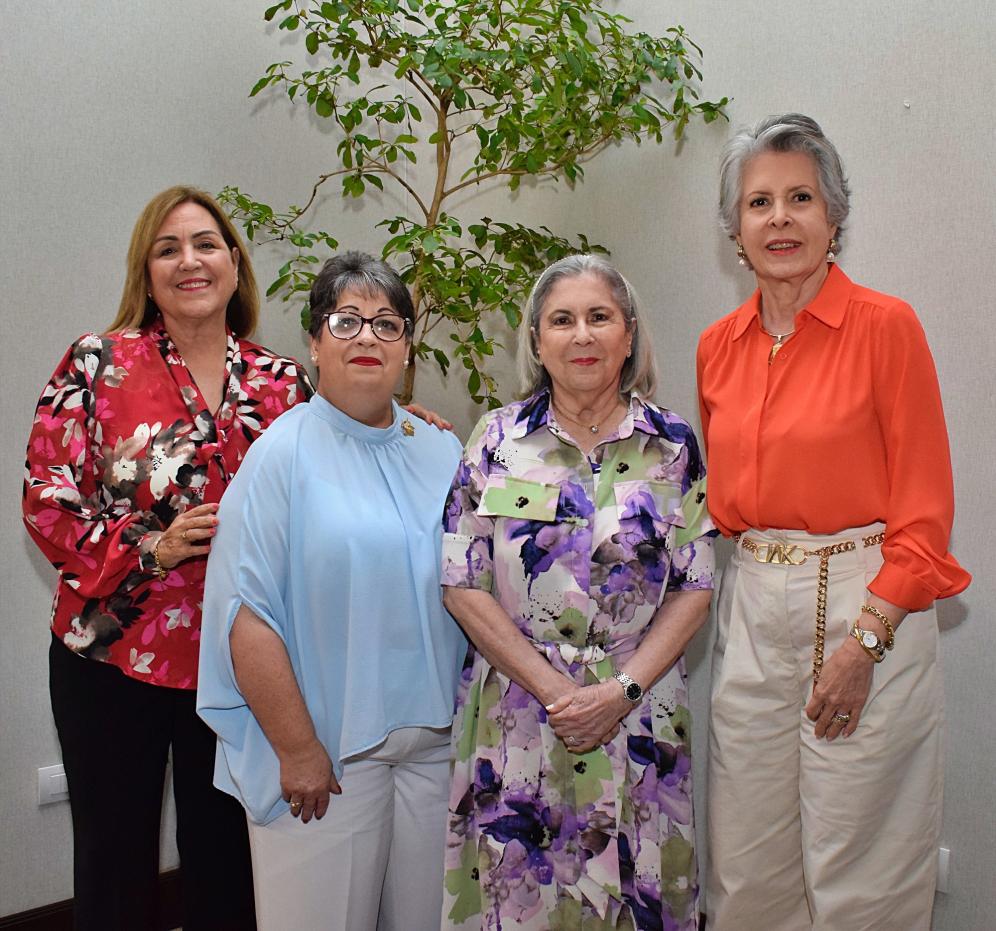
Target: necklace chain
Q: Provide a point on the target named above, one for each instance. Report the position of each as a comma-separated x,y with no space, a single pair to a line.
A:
591,428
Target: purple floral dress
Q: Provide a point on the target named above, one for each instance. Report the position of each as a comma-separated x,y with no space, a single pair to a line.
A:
580,551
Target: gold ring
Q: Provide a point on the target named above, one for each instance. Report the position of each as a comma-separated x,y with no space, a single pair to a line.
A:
840,718
295,806
183,535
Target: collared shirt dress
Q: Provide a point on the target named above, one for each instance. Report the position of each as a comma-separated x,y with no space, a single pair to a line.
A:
580,551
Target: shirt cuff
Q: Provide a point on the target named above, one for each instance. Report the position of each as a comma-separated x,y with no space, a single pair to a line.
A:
901,588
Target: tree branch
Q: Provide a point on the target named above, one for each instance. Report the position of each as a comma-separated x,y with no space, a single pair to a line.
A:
585,156
379,167
301,211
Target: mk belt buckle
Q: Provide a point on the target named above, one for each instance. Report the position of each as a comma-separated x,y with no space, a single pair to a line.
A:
779,554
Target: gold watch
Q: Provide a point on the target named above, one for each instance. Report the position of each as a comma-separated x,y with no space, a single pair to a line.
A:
869,641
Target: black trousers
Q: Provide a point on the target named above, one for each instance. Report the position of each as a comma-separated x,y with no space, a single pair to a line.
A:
116,734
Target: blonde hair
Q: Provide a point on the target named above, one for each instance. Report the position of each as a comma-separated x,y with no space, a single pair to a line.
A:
137,308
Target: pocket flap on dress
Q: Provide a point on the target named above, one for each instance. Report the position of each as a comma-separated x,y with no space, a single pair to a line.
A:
660,501
505,496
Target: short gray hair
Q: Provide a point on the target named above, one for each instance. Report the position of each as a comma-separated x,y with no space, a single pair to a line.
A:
360,272
639,371
785,132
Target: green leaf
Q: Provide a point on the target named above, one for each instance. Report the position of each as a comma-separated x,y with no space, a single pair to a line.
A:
323,106
574,64
311,43
259,85
276,8
277,285
442,360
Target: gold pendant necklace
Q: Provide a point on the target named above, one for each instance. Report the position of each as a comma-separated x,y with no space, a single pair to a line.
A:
779,339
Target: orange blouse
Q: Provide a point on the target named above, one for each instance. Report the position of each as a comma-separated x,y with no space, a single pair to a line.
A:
844,428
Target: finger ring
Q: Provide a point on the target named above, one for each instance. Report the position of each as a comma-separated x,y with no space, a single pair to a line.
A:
183,536
295,806
841,718
572,740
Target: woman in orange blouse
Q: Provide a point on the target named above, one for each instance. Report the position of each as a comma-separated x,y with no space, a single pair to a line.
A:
829,466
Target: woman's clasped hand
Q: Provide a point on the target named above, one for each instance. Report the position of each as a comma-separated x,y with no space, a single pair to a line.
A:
589,716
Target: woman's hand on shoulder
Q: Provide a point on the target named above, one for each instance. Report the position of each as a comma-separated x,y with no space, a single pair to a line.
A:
588,716
306,781
430,417
842,690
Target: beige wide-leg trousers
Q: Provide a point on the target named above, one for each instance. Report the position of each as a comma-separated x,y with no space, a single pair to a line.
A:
805,833
375,861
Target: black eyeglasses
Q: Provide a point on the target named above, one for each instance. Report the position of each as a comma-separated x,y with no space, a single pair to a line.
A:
388,328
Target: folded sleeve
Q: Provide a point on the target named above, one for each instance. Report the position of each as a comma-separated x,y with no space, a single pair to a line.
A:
693,562
468,537
917,566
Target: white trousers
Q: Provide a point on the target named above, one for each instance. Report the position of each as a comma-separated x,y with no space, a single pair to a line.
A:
375,861
803,833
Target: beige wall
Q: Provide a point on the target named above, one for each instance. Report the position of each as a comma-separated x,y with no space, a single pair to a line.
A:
104,104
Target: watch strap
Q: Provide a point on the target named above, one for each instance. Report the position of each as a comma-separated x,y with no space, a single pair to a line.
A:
631,688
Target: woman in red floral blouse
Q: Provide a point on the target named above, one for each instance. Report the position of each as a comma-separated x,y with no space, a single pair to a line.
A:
135,438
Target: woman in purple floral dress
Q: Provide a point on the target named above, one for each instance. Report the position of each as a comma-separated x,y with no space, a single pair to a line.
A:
578,558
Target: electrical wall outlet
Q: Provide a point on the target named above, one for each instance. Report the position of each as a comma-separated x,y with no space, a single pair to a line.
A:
943,868
52,785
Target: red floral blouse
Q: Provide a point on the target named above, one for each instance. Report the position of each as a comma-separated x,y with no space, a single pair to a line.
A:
122,443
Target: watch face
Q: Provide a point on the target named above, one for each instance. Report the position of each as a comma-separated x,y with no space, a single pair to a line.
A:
634,692
869,640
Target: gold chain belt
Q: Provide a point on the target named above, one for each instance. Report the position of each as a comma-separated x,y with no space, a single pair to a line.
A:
780,554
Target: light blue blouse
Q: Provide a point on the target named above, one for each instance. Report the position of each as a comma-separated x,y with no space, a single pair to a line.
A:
331,533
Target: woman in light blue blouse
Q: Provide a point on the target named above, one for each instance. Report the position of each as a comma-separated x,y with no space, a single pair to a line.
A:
328,665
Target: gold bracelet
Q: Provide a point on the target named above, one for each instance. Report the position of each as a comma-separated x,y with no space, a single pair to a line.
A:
874,612
161,570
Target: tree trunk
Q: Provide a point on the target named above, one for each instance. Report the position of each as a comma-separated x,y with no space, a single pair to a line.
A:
408,386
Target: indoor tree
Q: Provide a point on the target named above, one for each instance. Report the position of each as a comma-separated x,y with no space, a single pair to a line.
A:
437,96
